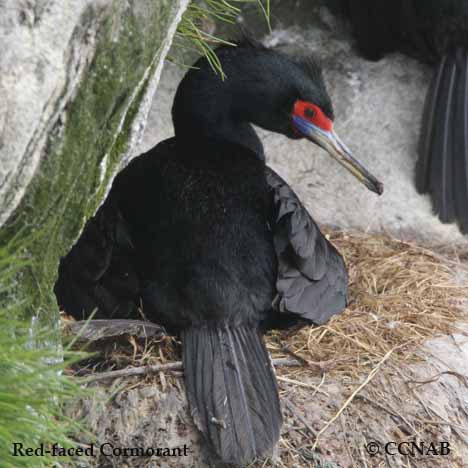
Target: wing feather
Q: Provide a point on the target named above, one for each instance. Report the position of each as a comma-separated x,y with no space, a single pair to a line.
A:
312,278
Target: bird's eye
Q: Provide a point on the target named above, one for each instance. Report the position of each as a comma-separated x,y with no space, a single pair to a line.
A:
309,113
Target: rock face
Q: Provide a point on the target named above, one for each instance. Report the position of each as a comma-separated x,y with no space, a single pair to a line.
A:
75,86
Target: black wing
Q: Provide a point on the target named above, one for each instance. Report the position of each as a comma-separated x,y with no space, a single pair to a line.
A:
442,168
98,272
312,278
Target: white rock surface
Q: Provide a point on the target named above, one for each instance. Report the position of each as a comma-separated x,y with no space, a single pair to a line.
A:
32,79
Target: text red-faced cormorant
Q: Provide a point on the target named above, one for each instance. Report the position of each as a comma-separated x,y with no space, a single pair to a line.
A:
215,244
436,32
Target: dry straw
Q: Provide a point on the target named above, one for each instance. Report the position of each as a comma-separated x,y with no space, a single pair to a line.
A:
400,295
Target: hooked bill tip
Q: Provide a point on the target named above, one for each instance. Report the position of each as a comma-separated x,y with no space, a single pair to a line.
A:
377,187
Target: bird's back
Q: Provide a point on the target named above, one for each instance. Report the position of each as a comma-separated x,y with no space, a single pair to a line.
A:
200,230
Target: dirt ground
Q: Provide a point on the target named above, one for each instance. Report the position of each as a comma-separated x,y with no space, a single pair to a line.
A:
391,369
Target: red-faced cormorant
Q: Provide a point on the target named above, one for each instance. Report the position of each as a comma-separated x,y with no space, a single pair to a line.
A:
215,245
436,32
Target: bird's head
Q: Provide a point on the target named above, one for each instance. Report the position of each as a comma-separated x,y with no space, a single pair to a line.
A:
292,99
309,120
271,90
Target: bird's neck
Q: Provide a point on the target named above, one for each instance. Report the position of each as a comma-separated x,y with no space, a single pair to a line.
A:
204,129
206,109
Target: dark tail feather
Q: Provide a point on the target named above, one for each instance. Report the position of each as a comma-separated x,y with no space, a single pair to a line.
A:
423,165
460,128
443,150
232,391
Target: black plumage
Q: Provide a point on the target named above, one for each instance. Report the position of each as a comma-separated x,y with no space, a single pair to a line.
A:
435,32
311,276
214,245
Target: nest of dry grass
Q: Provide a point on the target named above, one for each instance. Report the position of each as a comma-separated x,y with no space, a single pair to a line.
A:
356,370
400,296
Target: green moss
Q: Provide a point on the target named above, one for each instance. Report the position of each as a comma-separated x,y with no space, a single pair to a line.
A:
84,152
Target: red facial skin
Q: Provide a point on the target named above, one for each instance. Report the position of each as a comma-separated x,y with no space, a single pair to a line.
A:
313,114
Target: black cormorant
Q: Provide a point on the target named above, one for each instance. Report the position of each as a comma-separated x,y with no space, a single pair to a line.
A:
215,245
435,32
